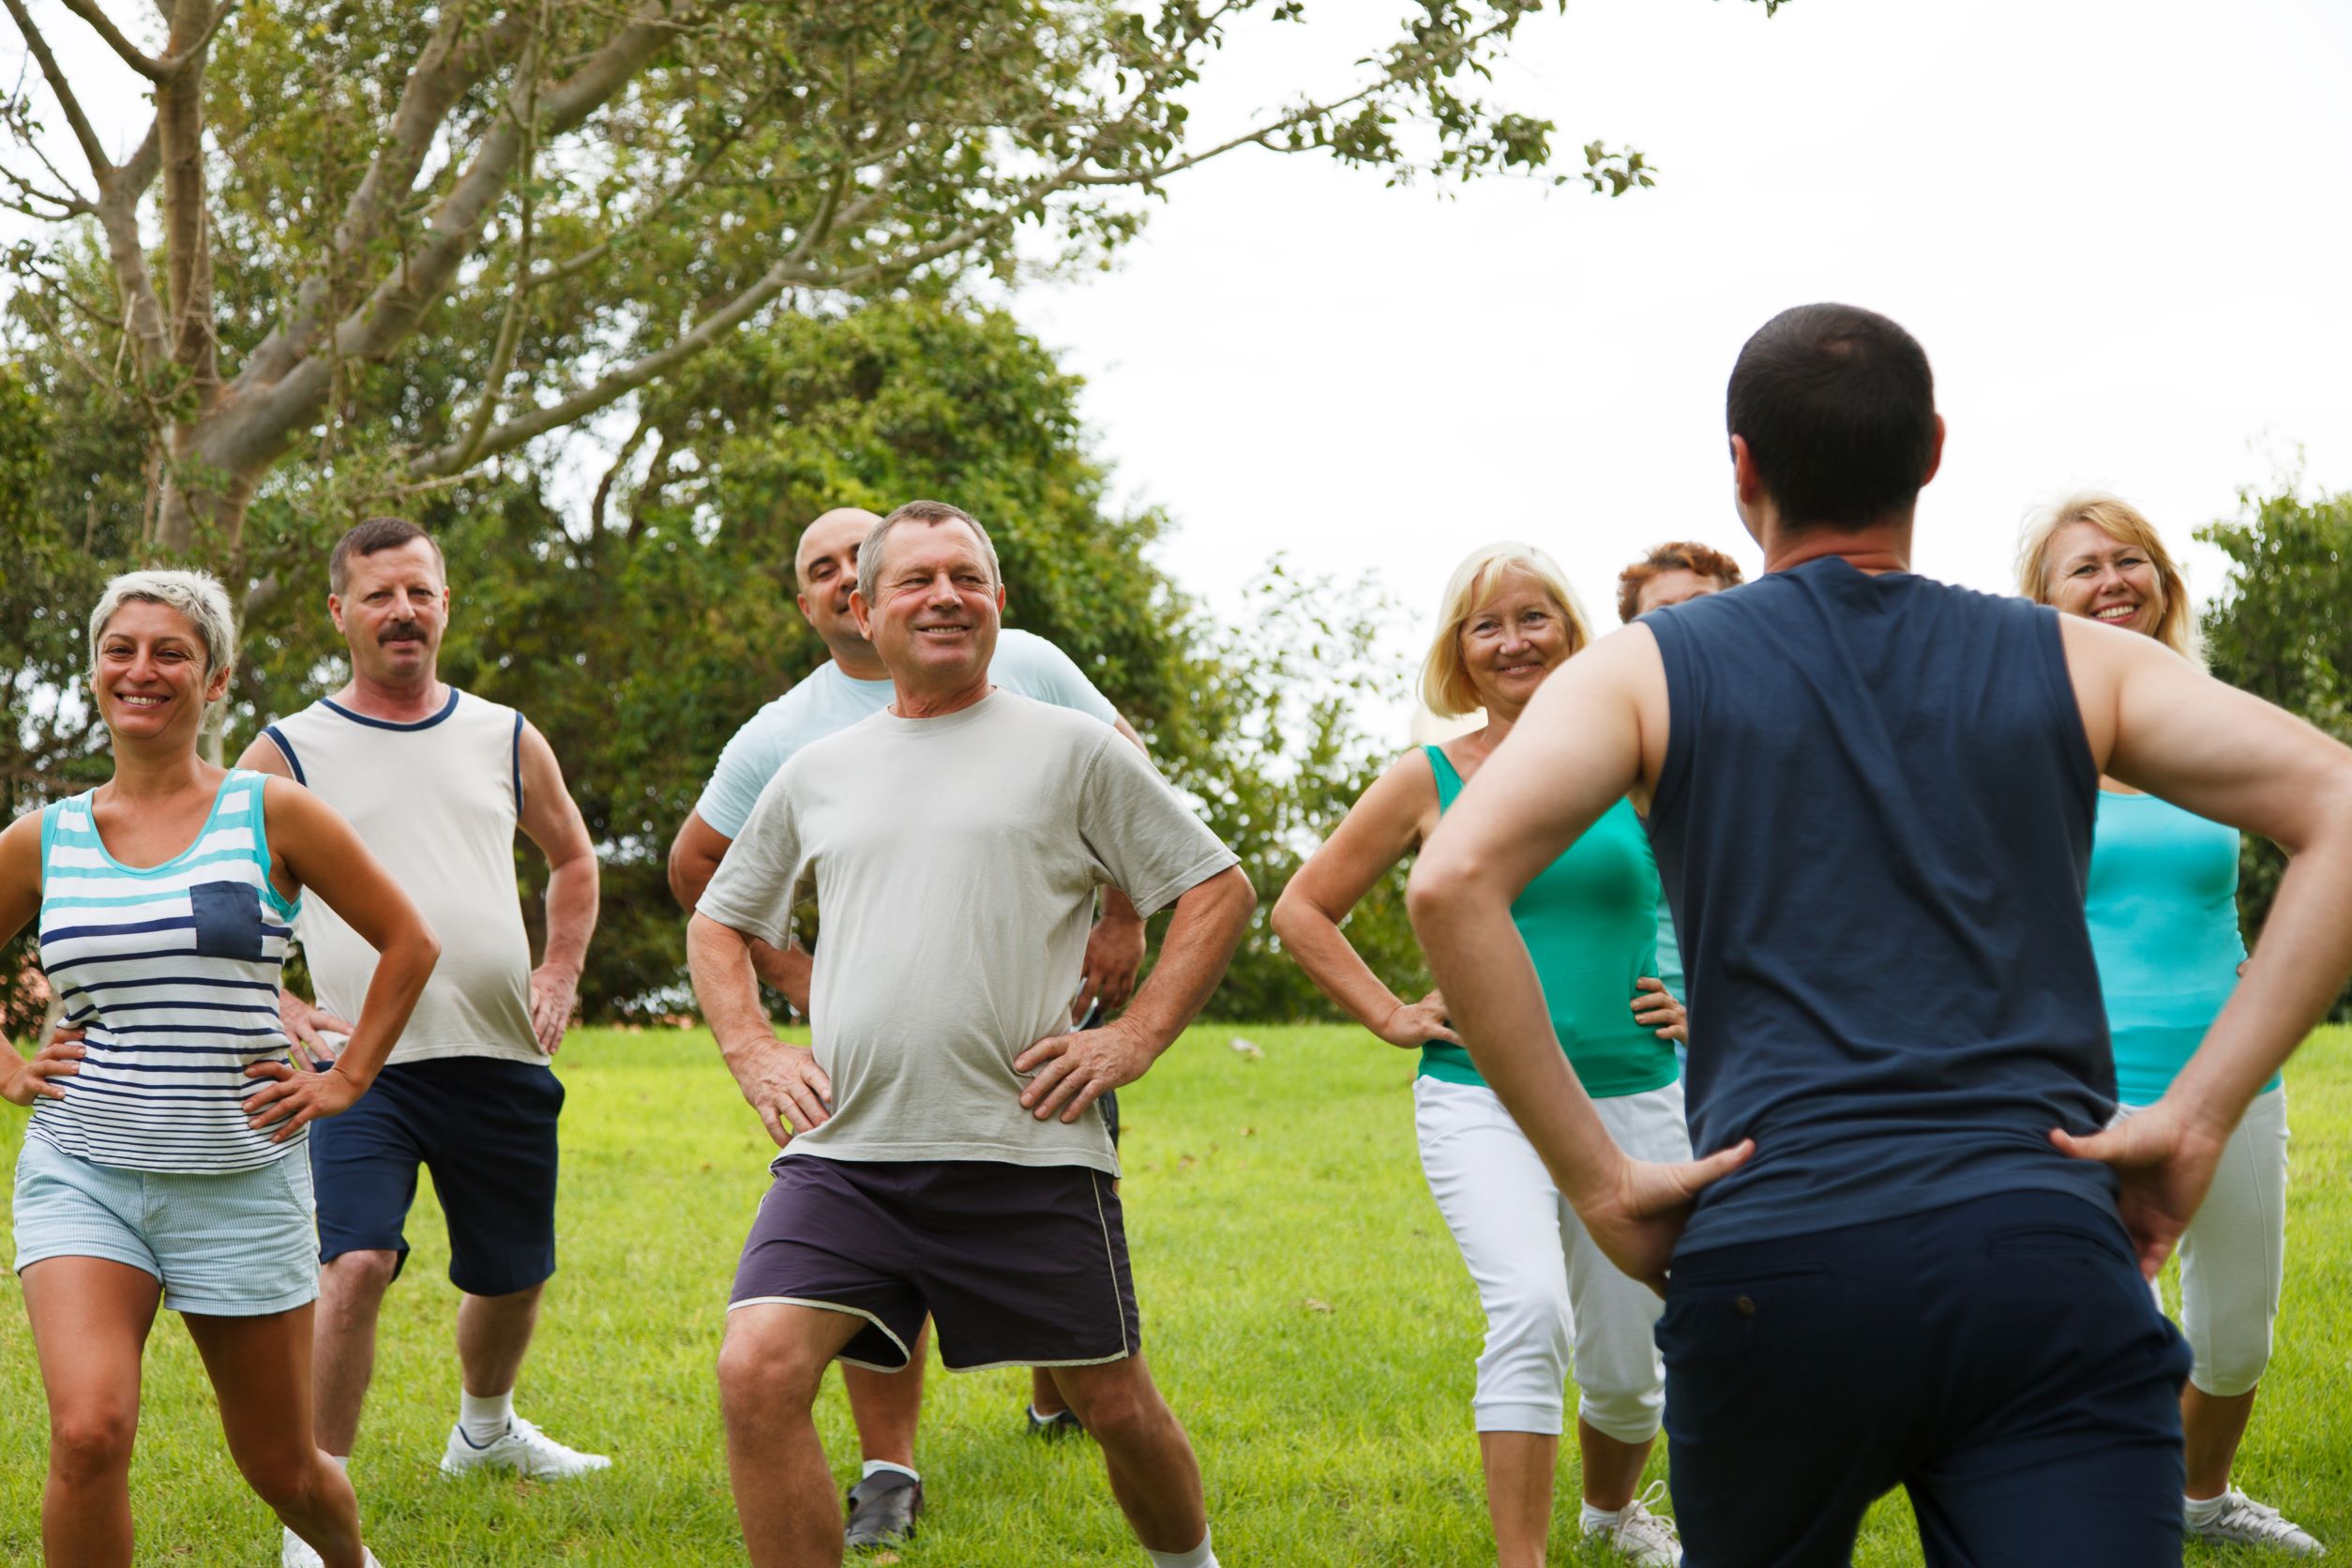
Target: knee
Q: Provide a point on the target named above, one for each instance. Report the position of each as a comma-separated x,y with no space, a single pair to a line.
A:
760,1375
353,1278
285,1478
1530,1326
92,1442
1119,1414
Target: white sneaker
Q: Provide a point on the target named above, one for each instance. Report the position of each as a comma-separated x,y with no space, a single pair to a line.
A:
296,1553
523,1449
2246,1522
1640,1536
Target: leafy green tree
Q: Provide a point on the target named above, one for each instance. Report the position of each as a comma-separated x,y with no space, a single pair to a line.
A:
387,244
2282,629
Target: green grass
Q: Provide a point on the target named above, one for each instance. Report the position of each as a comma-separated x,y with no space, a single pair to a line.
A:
1303,1306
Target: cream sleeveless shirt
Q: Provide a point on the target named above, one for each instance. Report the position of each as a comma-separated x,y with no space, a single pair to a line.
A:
436,800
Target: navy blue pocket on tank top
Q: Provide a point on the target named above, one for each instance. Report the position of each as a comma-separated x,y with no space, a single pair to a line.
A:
228,919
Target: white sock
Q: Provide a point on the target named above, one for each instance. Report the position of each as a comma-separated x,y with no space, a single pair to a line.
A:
1597,1519
2201,1509
484,1419
875,1467
1199,1557
341,1461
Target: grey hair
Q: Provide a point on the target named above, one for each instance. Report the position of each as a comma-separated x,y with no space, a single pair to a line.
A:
869,553
196,596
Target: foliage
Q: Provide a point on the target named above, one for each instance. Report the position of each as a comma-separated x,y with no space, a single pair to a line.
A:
2282,629
401,242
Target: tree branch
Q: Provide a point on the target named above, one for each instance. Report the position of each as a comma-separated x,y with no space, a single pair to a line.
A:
91,147
178,59
134,56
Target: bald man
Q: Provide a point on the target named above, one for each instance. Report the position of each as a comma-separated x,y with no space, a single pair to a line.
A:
849,687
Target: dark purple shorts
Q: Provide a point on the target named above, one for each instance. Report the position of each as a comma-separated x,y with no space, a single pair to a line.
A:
1018,1265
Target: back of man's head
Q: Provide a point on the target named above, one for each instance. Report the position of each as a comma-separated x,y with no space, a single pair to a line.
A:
376,534
1838,409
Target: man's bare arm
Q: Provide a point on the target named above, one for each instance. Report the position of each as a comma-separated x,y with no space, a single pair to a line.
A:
550,819
694,858
782,1082
1582,745
2159,723
305,1022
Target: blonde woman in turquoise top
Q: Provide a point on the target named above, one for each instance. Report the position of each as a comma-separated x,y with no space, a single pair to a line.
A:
2162,904
1551,1300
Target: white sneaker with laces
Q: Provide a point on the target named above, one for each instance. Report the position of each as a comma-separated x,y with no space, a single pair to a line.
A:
1640,1536
523,1449
2242,1521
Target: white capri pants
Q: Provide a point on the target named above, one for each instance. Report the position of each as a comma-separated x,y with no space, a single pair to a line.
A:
1552,1301
2233,1256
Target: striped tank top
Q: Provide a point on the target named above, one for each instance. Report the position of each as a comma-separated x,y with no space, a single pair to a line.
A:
171,972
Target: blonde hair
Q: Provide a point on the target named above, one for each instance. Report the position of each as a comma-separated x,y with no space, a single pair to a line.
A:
2121,521
1445,684
196,596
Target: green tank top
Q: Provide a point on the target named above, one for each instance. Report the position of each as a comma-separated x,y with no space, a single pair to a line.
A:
1590,923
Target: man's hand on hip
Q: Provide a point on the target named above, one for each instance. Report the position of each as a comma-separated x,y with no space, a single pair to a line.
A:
1114,952
787,1088
2164,1160
1639,1217
1076,1070
555,994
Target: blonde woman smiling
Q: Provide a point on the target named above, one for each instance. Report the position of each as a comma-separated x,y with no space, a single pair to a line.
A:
2162,908
1590,924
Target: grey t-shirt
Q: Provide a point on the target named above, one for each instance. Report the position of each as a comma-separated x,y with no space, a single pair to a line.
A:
956,860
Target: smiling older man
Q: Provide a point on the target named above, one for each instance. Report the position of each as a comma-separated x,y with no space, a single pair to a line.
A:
944,1148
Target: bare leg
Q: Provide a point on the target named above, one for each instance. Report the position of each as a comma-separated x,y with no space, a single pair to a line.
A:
90,1321
344,1356
493,1331
2214,1426
887,1406
261,1373
1612,1469
1153,1471
1519,1468
770,1367
1045,1395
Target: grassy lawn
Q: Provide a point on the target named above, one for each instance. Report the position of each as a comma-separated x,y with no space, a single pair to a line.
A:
1303,1306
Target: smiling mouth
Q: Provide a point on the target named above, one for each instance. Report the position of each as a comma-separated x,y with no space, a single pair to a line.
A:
2116,612
138,700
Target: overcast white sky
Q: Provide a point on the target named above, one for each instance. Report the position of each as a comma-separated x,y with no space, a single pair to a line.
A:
2118,226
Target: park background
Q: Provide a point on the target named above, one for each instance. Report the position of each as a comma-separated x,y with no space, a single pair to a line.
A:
1238,326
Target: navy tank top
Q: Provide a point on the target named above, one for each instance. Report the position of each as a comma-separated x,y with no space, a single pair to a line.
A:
1873,824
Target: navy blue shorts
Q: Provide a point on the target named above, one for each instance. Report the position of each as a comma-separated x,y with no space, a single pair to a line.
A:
2001,1359
485,1126
1017,1265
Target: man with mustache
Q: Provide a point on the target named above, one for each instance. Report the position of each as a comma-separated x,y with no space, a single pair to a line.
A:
436,780
943,1152
850,686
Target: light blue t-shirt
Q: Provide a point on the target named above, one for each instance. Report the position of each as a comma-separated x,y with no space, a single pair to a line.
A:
828,701
2162,904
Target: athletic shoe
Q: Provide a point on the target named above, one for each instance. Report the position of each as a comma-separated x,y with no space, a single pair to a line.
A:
883,1510
521,1448
296,1553
1640,1536
1052,1427
2245,1522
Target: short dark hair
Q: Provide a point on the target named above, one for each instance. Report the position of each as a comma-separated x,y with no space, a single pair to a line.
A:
1684,555
1838,409
370,537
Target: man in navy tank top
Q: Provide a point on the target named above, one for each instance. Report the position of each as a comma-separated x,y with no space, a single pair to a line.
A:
1908,1254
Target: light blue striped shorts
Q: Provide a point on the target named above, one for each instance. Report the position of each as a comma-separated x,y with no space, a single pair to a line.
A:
239,1245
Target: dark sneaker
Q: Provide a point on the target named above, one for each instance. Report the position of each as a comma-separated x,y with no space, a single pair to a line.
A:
883,1510
1052,1427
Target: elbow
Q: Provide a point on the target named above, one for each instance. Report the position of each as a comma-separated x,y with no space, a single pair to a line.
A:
427,946
1435,890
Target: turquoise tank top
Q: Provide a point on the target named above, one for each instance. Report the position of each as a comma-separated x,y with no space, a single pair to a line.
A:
1591,922
2163,909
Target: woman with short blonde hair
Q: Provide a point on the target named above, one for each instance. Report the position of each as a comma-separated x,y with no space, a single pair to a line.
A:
2161,904
164,1164
1551,1300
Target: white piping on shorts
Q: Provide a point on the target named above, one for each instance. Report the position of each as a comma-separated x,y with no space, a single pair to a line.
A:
837,1306
1111,1262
